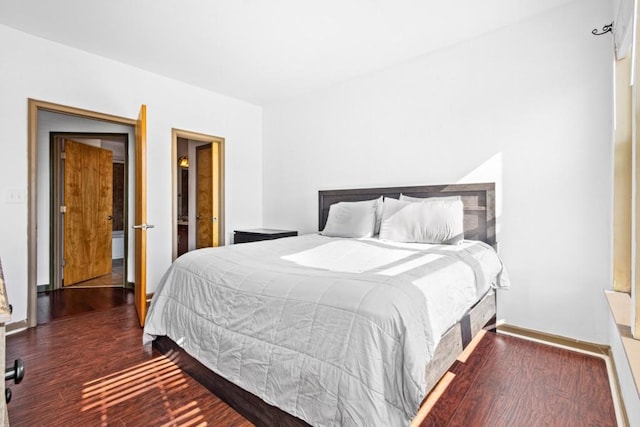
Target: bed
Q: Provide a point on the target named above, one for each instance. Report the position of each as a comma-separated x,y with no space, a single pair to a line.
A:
325,330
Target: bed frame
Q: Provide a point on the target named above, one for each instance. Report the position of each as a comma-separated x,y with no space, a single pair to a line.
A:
479,224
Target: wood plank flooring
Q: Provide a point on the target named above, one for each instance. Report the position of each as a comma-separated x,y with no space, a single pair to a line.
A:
92,370
71,301
509,381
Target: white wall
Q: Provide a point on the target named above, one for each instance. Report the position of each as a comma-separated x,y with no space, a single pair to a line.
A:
529,106
36,68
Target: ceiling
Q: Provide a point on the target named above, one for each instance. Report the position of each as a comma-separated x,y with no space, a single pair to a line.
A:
264,51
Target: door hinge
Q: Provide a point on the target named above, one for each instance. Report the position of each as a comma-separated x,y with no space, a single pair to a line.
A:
63,209
63,263
63,155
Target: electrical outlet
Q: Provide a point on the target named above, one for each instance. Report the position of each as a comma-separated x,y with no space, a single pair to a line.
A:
15,195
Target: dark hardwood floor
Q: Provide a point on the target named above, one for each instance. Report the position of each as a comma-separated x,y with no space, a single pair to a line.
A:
509,381
101,293
74,301
91,369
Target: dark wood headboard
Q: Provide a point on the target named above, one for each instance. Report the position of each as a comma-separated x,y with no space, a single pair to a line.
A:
479,204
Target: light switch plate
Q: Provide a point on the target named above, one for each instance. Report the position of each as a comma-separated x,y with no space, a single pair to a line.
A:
15,195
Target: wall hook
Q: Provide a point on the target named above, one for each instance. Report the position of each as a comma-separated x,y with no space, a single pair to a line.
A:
606,29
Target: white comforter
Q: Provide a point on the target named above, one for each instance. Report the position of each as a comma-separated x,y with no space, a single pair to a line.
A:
333,331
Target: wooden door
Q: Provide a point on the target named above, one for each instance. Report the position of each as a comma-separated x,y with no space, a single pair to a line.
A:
204,193
88,200
140,216
216,192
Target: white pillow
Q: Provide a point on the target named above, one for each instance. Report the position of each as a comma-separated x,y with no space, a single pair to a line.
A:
379,203
430,221
351,219
405,198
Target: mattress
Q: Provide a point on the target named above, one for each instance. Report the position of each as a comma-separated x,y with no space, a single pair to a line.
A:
333,331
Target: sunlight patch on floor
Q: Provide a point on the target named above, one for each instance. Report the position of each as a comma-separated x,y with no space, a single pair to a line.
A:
187,415
432,399
158,375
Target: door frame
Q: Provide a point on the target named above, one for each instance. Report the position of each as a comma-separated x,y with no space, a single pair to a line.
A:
56,183
199,137
34,106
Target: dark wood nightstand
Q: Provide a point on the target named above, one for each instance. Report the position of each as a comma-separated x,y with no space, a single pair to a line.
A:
257,234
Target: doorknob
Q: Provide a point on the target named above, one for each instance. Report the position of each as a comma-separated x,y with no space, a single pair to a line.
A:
16,373
214,219
110,218
143,226
198,217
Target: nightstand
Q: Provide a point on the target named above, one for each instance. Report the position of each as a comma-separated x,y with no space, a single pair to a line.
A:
257,234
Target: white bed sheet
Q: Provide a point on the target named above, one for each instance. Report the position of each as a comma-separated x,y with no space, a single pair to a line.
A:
449,290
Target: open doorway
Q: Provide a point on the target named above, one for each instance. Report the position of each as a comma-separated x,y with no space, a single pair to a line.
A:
198,191
89,246
43,119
